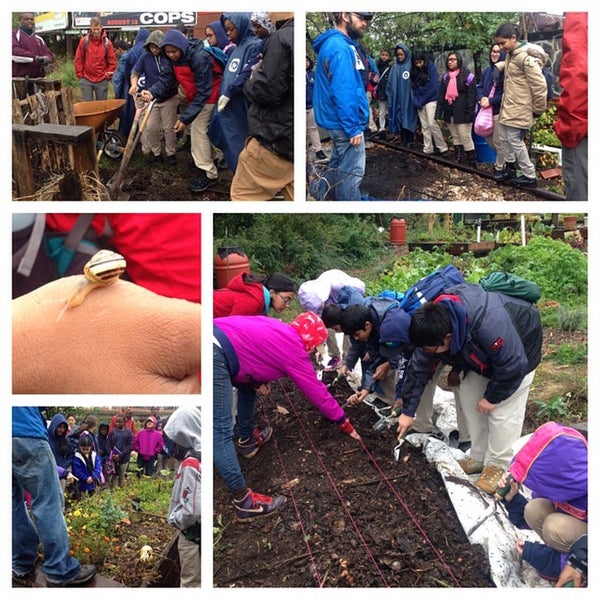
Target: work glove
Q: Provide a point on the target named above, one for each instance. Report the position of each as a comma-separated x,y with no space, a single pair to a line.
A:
346,427
223,102
42,59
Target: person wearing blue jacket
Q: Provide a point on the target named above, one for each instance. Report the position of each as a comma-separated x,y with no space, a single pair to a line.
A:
402,114
34,470
341,105
425,85
495,341
229,124
492,78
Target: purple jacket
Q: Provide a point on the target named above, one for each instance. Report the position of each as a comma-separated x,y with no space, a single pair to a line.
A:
268,349
553,464
148,443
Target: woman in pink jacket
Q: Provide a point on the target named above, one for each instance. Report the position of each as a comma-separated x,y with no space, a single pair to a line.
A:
249,352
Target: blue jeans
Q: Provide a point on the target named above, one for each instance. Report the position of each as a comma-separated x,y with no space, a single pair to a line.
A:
34,471
224,454
346,169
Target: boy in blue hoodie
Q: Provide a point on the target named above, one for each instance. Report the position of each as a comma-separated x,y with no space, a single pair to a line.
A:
341,105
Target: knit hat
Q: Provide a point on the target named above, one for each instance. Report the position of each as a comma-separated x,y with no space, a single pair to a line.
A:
279,282
262,19
311,329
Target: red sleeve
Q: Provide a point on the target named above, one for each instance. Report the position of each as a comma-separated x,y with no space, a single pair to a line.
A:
572,115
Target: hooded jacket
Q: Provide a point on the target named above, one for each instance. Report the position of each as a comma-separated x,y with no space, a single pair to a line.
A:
60,446
425,86
271,94
222,39
148,442
490,76
148,66
241,298
401,110
327,288
184,428
525,87
265,349
94,58
339,100
497,336
193,72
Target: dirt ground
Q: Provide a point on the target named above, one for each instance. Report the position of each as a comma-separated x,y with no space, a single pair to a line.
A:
354,517
394,175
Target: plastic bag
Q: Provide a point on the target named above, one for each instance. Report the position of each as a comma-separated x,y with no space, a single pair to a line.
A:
484,122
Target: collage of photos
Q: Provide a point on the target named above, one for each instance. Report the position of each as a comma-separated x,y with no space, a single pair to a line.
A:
398,391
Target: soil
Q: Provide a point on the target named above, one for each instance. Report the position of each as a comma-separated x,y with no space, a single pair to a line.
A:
354,517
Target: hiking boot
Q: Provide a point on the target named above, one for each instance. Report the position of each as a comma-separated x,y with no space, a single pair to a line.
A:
203,182
172,160
321,155
156,160
333,364
248,447
488,480
444,154
256,506
471,158
499,174
523,180
85,574
458,153
470,466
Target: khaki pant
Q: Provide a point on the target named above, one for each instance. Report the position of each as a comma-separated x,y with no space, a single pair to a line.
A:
557,529
461,135
160,125
189,559
493,433
260,174
202,150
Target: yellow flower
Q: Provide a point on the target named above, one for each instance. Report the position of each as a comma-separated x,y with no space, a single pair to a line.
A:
77,513
86,550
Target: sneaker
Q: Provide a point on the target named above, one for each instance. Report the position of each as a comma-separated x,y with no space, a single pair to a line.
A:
172,160
256,506
445,154
251,445
488,480
499,174
201,183
470,466
156,159
334,364
321,155
523,180
85,574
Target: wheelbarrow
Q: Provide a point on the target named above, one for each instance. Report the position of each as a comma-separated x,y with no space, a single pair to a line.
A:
100,114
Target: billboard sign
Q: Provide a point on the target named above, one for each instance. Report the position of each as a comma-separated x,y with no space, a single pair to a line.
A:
112,20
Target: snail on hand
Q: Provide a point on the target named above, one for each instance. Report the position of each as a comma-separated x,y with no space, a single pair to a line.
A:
102,270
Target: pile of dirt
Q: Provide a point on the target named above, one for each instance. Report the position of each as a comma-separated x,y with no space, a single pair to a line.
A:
354,516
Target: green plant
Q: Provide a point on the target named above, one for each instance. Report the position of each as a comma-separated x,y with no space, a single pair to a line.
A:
571,319
543,132
571,354
554,409
219,529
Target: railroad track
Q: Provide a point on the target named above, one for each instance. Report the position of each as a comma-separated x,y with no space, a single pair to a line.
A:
535,192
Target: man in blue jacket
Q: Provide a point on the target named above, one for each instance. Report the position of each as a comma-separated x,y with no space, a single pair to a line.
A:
496,342
341,105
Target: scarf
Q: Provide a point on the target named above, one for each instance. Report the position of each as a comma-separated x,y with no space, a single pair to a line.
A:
452,89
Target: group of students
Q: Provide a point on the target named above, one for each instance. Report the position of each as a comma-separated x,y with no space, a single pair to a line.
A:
97,454
408,89
490,341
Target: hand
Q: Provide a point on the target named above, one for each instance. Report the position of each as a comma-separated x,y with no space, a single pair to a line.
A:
347,428
485,406
357,397
89,480
397,407
264,389
514,486
356,140
223,102
123,339
484,102
345,371
179,126
71,478
404,424
109,74
519,545
146,96
569,574
381,371
133,90
44,60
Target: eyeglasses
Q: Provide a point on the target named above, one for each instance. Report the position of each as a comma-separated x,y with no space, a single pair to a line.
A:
365,19
285,299
452,59
495,52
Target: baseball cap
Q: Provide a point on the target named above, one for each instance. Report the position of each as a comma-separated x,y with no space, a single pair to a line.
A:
366,15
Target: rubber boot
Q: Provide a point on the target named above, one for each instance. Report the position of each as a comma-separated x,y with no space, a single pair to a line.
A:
471,158
458,153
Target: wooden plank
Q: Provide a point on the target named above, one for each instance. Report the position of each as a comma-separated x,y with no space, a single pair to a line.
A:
22,169
62,134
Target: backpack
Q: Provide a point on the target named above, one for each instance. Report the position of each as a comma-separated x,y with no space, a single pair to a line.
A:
430,287
40,256
86,41
511,285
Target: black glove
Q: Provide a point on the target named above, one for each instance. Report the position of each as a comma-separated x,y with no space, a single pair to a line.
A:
42,59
